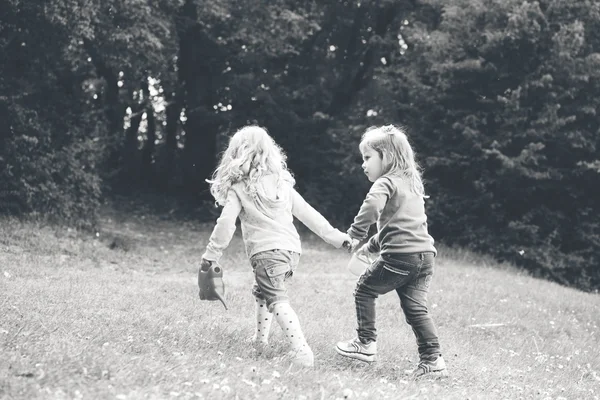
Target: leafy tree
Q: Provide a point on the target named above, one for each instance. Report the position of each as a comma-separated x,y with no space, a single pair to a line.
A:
48,152
500,100
504,106
118,46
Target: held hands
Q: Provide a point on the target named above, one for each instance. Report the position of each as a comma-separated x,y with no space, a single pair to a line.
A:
350,244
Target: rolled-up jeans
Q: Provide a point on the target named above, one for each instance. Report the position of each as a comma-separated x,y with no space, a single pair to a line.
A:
409,275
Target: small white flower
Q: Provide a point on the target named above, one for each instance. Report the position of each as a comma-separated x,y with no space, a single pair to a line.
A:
250,383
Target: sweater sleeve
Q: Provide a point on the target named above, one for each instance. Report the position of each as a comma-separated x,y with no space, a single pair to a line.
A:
371,208
224,229
315,221
373,244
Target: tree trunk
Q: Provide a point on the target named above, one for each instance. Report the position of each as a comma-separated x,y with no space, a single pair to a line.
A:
114,110
173,111
148,171
360,74
130,172
199,69
113,107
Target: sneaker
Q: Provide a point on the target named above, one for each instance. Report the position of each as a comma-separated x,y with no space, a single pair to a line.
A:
428,368
356,349
302,358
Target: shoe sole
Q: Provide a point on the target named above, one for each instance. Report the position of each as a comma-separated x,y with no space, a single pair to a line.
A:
357,356
433,375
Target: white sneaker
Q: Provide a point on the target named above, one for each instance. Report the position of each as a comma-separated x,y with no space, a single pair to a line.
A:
356,349
430,368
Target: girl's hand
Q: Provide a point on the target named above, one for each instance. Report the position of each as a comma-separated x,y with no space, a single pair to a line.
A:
347,244
350,244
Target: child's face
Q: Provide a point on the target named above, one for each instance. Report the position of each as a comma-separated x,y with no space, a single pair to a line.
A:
372,164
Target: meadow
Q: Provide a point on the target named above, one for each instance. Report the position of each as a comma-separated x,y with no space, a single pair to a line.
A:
115,314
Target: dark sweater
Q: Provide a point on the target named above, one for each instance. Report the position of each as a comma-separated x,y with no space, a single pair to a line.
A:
400,216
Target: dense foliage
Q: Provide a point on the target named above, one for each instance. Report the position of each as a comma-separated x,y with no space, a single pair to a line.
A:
500,99
48,146
512,133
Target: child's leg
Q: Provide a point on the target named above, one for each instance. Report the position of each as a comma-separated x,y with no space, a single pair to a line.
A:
365,299
290,325
413,299
271,269
287,319
380,278
263,322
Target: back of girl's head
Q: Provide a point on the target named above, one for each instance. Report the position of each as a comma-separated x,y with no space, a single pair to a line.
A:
251,154
398,158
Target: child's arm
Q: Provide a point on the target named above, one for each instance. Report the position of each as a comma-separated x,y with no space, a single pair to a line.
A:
372,245
316,222
224,229
370,210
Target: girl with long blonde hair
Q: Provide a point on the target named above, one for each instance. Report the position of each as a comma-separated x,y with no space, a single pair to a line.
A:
252,183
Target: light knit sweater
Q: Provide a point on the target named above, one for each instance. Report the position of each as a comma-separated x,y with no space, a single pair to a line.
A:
268,223
400,217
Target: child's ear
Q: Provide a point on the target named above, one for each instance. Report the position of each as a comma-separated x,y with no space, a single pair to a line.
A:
385,159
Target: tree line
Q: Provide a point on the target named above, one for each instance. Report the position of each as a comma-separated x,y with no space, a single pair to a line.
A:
500,99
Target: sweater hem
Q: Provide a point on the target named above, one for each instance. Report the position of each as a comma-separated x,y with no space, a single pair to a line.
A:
260,249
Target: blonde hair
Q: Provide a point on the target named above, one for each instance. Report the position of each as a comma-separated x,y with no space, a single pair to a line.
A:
250,155
397,155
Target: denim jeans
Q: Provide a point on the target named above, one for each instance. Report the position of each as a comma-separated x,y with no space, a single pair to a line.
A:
271,269
409,275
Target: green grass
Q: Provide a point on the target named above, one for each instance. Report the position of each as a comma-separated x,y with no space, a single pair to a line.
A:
81,320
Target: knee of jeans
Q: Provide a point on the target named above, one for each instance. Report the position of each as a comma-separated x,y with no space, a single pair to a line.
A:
364,291
416,311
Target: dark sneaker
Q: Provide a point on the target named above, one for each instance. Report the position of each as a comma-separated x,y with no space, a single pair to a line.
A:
356,349
430,369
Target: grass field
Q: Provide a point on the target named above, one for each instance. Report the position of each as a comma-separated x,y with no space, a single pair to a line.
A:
116,315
